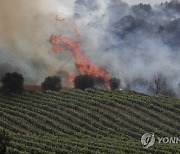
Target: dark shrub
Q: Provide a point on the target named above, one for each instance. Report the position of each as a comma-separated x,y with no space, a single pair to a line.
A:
4,141
114,83
84,81
99,82
52,83
12,83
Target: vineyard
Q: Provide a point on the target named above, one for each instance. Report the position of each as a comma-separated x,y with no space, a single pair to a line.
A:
88,122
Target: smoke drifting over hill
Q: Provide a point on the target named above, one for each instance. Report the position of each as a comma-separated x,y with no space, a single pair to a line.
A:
152,2
130,41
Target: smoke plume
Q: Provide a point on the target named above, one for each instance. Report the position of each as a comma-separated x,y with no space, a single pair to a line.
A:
131,42
25,27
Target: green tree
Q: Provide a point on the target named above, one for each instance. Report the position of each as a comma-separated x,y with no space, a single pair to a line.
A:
52,83
12,83
84,81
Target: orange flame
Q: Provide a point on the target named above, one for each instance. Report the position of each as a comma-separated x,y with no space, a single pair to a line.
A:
60,43
70,77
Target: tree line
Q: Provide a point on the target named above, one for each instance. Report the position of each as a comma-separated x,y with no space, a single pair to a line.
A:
14,83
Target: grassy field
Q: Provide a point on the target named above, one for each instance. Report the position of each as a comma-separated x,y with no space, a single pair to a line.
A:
91,121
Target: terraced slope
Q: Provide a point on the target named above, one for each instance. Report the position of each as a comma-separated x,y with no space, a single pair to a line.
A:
91,121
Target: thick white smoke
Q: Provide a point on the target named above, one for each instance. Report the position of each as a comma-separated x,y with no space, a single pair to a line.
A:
25,27
138,55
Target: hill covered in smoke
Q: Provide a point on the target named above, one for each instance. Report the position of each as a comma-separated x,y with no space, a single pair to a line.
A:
131,42
138,41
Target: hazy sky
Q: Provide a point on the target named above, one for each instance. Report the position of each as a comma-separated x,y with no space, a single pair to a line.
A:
152,2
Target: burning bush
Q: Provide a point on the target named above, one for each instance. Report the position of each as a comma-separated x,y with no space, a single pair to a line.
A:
84,81
82,63
52,83
12,83
114,83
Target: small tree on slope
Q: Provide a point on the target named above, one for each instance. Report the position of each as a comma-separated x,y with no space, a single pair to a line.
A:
12,83
84,81
52,83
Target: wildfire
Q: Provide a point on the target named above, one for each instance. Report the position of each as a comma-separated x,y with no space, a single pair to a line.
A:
83,65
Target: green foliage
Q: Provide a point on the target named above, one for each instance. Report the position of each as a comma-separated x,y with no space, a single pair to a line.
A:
12,83
89,121
4,141
84,81
52,83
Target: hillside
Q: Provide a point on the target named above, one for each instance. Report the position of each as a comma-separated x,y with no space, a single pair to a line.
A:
91,121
